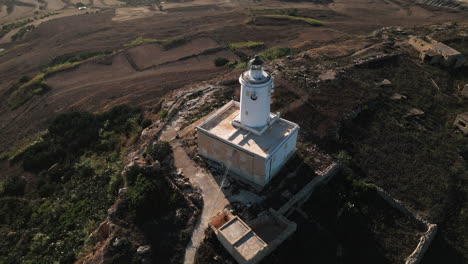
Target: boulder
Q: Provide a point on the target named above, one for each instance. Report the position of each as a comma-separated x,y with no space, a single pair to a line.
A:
143,250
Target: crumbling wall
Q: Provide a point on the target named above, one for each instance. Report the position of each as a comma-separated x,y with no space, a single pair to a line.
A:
425,239
304,194
434,52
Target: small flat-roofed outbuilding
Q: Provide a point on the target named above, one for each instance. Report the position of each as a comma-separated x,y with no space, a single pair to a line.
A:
243,242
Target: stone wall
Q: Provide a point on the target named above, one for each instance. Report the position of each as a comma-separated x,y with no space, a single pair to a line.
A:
425,240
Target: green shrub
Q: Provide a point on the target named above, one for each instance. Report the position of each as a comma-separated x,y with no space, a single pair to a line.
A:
163,114
22,92
344,157
146,123
72,197
21,32
132,173
246,45
24,79
73,57
158,150
219,61
9,27
39,243
12,186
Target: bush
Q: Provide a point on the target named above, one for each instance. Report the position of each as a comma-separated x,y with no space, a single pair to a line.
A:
158,150
21,32
146,123
132,173
220,61
163,114
12,186
24,79
344,157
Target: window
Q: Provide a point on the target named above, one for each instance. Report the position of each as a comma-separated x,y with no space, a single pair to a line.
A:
253,97
461,123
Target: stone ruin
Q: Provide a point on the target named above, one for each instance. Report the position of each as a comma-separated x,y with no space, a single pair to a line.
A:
461,122
436,53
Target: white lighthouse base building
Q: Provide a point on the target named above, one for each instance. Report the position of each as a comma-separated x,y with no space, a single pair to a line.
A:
255,154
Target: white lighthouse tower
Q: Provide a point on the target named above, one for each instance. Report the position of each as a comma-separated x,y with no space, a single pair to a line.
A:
256,90
249,140
256,87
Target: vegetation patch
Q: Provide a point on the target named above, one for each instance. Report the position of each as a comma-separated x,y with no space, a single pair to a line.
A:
76,175
246,45
310,21
158,151
275,53
160,211
271,11
26,88
13,48
73,58
166,43
48,14
9,27
15,152
19,35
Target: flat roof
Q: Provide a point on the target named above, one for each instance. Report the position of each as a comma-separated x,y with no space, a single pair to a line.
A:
234,229
250,245
220,125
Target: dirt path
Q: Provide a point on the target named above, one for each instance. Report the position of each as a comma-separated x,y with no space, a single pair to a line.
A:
214,200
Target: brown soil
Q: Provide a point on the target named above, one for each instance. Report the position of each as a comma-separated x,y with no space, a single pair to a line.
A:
149,55
142,75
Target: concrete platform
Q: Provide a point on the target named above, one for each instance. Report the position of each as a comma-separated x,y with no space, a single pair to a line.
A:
220,124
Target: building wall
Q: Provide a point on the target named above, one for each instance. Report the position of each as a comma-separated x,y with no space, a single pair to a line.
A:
244,164
282,154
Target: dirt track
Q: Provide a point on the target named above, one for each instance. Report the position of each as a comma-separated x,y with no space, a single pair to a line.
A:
205,24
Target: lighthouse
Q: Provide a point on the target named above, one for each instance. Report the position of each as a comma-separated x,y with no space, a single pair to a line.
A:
245,137
256,88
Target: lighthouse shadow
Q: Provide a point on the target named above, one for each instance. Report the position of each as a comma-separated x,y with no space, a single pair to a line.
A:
243,194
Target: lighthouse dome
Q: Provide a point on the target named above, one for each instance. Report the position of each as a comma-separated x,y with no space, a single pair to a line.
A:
256,74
